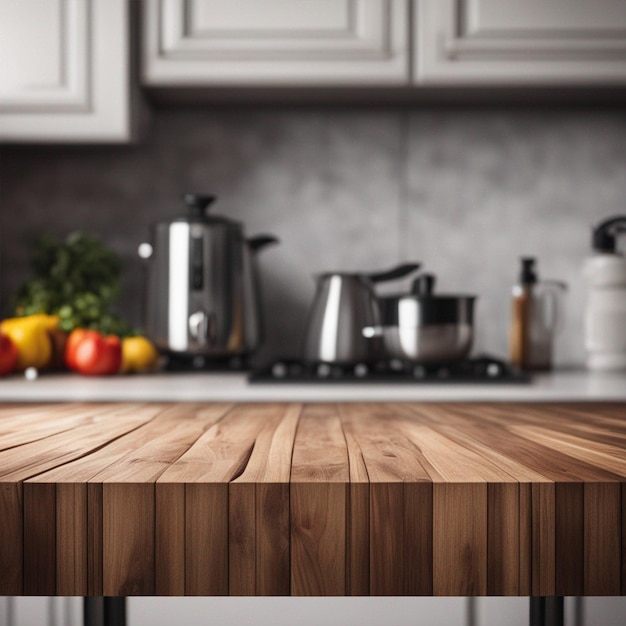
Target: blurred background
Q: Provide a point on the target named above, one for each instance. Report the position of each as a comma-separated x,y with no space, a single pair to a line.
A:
462,135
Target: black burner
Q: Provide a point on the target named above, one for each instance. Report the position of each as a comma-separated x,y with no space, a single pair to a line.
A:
482,369
198,362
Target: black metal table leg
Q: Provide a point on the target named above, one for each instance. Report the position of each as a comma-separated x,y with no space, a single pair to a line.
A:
546,611
104,611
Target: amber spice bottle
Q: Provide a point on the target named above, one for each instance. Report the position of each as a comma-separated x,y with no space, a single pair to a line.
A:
521,316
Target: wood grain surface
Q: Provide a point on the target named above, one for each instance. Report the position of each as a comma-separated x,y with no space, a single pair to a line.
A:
313,499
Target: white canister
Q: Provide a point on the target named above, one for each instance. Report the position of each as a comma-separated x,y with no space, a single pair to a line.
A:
605,314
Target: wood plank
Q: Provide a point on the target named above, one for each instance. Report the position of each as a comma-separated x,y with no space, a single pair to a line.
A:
11,539
318,504
95,563
320,452
170,540
465,431
543,539
387,548
218,456
418,543
569,539
525,539
401,549
387,452
71,539
206,539
34,458
158,445
358,540
595,428
128,539
242,528
503,539
454,462
358,525
602,539
624,538
492,424
15,417
162,432
459,539
39,539
259,511
273,539
318,539
598,455
39,425
222,452
400,500
270,461
140,455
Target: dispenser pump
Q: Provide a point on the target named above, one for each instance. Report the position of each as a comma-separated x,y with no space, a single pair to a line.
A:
528,274
605,234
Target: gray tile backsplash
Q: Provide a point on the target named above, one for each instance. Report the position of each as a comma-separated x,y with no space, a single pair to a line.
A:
464,191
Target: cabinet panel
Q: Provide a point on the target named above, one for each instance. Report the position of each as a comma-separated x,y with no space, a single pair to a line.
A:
555,42
48,62
248,42
66,71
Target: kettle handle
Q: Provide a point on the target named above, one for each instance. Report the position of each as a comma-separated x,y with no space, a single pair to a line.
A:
400,271
260,241
198,203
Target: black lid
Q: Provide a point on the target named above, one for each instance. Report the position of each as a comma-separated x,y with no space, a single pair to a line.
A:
604,234
528,274
199,205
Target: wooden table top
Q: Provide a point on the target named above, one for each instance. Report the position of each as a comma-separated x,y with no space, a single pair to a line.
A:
314,499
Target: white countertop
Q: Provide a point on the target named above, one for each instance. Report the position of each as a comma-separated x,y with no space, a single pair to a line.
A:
219,387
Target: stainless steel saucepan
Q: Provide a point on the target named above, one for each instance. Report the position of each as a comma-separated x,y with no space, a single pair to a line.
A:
423,327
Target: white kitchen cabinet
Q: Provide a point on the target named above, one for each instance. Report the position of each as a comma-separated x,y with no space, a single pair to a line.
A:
520,42
286,611
65,71
41,610
276,42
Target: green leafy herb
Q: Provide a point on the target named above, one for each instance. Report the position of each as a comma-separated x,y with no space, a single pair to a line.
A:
78,280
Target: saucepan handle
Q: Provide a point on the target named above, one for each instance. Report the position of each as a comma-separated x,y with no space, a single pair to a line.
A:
260,241
400,271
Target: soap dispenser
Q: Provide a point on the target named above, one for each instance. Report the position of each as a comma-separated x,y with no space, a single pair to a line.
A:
605,311
536,314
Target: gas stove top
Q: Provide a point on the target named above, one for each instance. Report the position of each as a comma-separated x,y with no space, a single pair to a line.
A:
480,370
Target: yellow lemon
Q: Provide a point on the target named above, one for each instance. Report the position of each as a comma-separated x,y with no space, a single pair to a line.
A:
138,353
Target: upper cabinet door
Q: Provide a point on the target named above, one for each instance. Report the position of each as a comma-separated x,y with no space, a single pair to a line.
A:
276,42
65,71
491,42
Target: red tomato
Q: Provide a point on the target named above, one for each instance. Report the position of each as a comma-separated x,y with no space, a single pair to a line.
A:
8,354
90,353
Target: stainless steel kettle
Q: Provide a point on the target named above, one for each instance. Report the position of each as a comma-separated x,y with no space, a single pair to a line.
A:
203,295
343,305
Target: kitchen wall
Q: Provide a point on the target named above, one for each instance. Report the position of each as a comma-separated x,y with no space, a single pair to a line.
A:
465,191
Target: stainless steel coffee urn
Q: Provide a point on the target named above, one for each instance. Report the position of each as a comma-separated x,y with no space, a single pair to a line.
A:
203,294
